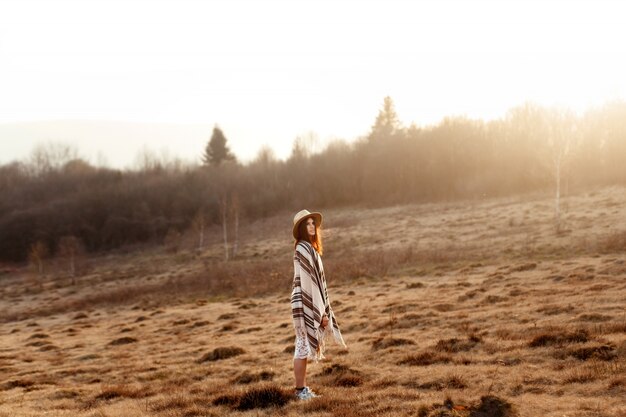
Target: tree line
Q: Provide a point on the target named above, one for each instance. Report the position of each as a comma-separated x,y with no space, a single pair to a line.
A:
58,204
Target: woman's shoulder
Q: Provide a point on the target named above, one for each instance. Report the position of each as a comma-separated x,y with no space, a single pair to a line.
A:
303,243
303,246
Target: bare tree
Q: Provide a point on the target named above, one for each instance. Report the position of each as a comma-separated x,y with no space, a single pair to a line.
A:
562,137
38,252
223,204
71,248
305,145
12,175
147,160
234,208
199,225
553,134
77,167
226,178
48,156
265,156
172,240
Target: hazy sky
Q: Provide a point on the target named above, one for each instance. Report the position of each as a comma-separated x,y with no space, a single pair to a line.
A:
267,71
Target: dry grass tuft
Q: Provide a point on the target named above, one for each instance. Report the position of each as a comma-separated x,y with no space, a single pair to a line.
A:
344,406
614,327
38,343
425,358
617,384
443,307
613,243
449,382
342,376
112,392
181,404
492,299
334,369
402,308
455,345
604,353
122,341
229,400
64,394
559,337
492,406
579,376
594,317
489,406
16,383
264,396
126,391
48,347
387,342
250,330
455,381
523,267
221,353
248,378
552,309
384,383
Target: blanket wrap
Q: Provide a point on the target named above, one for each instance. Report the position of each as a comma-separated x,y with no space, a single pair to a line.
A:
309,300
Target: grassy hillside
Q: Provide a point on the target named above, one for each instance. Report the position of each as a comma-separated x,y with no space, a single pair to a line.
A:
476,308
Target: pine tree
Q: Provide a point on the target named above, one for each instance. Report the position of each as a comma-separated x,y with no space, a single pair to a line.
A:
387,122
217,150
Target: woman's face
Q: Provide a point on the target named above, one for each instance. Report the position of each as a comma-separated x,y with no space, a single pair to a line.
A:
310,226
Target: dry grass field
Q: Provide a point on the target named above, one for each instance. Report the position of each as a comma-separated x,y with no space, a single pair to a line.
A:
475,308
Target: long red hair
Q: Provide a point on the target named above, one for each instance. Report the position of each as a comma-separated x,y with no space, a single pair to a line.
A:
315,241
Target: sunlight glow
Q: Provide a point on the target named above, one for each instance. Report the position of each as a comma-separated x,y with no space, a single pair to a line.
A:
267,71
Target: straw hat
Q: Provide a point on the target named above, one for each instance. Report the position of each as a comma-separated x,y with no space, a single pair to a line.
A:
302,215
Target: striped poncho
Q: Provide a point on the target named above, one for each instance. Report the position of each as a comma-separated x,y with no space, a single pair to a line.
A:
309,299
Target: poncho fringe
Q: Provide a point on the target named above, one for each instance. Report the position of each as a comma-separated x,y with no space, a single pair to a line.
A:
309,300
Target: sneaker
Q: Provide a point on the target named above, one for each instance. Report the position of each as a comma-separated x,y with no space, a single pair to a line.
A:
303,394
306,394
310,391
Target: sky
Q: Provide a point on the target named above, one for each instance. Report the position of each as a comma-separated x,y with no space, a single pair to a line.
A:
116,77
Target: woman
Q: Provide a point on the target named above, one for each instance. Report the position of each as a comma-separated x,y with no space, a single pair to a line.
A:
313,318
